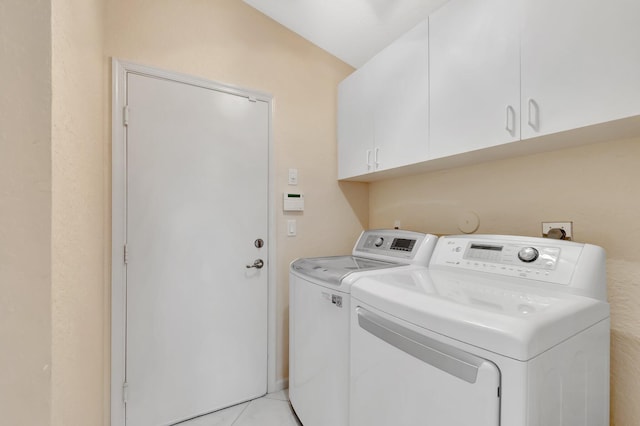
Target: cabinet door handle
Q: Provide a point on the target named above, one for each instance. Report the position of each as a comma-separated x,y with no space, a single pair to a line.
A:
511,120
368,159
534,119
375,157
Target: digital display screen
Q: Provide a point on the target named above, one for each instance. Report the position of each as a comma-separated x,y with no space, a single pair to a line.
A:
402,244
486,247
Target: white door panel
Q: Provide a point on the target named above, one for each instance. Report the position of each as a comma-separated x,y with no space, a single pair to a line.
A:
197,199
400,87
474,50
355,126
580,63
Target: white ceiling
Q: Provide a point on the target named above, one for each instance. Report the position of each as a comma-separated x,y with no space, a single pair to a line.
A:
352,30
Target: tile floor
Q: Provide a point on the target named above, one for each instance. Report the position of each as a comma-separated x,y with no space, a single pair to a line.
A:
271,410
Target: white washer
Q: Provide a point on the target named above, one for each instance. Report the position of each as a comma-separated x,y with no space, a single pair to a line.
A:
319,319
499,330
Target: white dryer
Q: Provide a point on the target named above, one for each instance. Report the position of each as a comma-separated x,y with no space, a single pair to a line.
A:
319,294
499,330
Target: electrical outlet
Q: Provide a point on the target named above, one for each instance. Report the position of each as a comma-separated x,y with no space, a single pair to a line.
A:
567,227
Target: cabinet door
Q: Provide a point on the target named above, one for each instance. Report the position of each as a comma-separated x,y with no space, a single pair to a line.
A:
474,75
580,63
399,82
355,126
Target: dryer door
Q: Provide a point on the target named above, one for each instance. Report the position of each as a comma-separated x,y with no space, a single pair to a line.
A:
406,376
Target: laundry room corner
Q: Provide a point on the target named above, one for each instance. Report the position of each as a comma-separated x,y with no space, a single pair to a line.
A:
79,217
593,186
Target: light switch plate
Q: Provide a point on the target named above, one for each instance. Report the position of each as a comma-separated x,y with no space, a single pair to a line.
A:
293,176
291,228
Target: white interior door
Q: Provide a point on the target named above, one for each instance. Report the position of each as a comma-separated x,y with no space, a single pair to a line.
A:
197,199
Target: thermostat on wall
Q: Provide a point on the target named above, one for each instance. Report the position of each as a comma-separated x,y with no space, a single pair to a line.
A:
293,202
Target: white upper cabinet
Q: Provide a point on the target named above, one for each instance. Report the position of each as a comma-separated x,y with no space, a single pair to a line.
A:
383,108
487,79
400,83
474,48
580,63
355,125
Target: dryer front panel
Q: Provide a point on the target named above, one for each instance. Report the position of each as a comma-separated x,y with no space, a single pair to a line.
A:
404,375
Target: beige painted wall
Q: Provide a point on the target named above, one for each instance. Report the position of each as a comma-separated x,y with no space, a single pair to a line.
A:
228,42
595,186
224,41
25,209
78,237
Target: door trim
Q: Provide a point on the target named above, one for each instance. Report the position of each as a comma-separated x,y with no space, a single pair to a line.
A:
118,224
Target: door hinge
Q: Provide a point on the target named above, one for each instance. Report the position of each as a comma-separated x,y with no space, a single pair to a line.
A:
125,392
126,254
125,115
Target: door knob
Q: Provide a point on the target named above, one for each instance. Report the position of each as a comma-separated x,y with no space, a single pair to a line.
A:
258,264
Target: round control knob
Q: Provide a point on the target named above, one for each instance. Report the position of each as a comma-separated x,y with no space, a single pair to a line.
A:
528,254
378,242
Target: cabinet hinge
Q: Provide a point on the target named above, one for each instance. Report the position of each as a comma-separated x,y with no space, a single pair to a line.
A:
252,99
125,115
125,254
125,392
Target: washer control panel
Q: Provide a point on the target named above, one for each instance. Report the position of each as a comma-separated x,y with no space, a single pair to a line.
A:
395,245
532,258
389,243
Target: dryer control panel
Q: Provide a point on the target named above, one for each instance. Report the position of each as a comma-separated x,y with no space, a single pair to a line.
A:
534,258
531,256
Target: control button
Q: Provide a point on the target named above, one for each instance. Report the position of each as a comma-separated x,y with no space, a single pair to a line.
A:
526,309
528,254
378,242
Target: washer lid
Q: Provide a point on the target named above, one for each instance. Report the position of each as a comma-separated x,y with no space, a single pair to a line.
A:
513,320
334,269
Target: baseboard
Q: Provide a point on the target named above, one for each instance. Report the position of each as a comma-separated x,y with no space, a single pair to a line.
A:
280,385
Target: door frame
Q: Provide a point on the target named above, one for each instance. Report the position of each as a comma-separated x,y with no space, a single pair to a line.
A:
120,69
